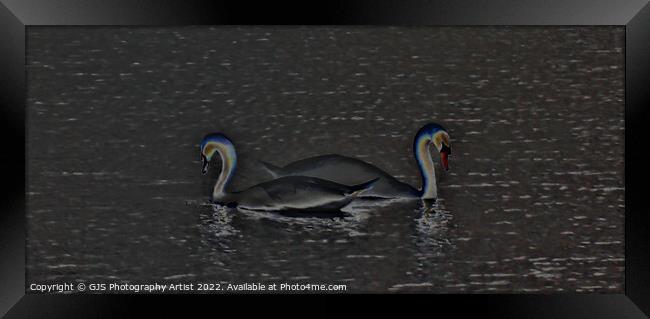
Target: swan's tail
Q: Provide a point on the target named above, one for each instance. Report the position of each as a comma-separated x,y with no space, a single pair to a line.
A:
359,189
271,169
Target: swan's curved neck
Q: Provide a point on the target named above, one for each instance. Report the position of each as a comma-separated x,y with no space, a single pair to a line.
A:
427,170
228,165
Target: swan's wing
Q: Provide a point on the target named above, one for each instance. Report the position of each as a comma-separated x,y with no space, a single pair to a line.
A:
336,168
279,191
290,186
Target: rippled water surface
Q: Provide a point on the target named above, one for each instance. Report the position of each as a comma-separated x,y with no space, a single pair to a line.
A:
534,201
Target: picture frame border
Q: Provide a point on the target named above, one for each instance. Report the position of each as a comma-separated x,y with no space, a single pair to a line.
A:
18,15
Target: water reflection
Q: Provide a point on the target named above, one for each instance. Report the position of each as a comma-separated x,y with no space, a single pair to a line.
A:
233,233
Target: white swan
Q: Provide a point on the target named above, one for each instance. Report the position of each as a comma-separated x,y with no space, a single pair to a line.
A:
349,171
285,194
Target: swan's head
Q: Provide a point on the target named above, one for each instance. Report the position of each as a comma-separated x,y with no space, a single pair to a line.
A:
437,135
217,143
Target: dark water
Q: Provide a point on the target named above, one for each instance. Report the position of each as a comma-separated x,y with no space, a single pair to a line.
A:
534,201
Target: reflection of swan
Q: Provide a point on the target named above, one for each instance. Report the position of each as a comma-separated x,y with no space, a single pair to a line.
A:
292,193
347,170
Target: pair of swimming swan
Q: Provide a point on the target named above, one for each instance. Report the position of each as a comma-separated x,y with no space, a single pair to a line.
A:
322,183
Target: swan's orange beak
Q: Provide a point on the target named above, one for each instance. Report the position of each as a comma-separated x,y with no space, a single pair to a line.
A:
444,156
444,161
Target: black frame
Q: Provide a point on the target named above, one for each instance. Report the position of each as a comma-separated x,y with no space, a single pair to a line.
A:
16,15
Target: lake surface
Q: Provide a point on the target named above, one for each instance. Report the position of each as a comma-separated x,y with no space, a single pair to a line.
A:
534,200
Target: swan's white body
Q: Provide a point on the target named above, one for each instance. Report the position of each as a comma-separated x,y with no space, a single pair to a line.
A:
349,171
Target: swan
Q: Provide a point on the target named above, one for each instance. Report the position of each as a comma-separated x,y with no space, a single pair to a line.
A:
349,171
285,194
